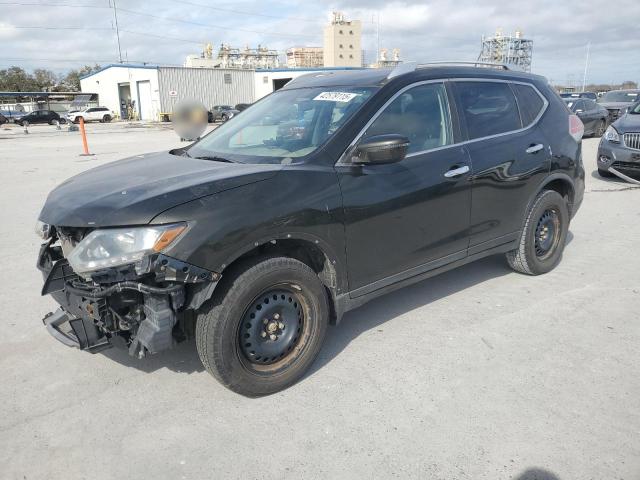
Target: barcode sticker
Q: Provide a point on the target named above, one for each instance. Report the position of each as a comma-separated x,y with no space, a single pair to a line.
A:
336,96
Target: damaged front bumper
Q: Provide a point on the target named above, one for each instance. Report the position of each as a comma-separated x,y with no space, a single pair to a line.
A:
145,313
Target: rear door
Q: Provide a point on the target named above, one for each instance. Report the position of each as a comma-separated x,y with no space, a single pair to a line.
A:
405,218
509,153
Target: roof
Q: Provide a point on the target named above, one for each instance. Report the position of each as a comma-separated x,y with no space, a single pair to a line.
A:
43,94
120,65
380,76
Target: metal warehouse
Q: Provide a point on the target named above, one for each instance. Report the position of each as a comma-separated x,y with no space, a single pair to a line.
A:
145,92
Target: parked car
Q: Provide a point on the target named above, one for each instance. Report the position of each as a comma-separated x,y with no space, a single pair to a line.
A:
242,106
91,114
593,116
13,115
590,95
3,119
221,113
618,101
40,116
261,234
620,146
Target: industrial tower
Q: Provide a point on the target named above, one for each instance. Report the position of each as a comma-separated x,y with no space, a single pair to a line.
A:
514,51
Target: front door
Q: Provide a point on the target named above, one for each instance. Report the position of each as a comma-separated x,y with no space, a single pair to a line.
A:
405,218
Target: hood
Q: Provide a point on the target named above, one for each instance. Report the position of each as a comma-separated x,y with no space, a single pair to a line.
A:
615,105
628,123
135,190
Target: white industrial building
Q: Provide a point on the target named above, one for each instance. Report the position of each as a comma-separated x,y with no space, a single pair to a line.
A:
145,91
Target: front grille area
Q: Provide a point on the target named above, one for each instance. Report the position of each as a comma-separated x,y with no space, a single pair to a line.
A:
632,140
626,166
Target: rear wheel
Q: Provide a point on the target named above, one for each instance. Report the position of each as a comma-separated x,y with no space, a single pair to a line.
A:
543,235
106,118
265,328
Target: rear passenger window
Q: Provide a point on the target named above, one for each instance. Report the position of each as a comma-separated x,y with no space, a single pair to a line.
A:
421,114
489,108
529,103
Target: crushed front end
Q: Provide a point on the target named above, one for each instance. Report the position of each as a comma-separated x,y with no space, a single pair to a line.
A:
117,287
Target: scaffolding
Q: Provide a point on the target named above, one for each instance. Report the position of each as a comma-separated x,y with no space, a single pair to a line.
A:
514,51
299,57
250,58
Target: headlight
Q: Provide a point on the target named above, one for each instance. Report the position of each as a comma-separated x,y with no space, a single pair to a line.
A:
611,135
43,230
119,246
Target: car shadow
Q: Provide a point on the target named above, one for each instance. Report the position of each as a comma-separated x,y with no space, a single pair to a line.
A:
537,474
387,307
183,358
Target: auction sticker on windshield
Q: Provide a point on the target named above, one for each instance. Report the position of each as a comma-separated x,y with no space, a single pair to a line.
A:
336,96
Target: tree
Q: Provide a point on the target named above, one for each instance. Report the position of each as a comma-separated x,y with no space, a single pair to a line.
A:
71,82
15,79
44,79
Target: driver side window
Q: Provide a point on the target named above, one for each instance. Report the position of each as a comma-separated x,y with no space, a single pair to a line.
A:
421,114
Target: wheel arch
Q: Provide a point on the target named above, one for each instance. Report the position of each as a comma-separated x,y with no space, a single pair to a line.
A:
309,249
559,182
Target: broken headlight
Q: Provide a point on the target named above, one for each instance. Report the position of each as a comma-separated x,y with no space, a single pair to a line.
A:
43,230
113,247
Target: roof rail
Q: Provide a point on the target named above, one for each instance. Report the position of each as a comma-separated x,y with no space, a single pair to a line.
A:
408,67
470,64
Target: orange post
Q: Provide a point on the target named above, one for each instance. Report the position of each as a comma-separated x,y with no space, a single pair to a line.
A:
85,147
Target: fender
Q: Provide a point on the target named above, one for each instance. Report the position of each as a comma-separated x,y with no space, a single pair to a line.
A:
338,263
546,181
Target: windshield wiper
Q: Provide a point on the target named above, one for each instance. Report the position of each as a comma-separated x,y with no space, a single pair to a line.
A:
213,158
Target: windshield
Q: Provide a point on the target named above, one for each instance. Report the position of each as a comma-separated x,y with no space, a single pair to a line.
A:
635,109
620,96
285,125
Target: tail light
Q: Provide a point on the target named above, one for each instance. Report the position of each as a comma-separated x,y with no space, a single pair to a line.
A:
576,127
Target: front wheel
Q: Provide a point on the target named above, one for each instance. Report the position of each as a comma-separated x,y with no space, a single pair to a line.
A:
543,236
600,129
106,119
605,173
265,328
224,118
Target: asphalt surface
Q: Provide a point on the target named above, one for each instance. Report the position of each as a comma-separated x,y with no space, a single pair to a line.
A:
480,373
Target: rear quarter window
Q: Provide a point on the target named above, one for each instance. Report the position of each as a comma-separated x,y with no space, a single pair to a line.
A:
489,108
529,103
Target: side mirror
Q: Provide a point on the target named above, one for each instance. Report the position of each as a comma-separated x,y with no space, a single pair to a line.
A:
380,149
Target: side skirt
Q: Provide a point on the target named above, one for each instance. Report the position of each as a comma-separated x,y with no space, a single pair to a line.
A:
352,300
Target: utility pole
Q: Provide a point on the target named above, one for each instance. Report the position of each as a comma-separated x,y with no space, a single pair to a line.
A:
115,14
586,67
378,37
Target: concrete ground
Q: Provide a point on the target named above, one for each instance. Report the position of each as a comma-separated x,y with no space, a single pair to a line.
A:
480,373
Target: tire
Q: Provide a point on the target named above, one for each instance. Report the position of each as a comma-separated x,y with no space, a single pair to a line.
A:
540,250
106,119
600,129
76,120
605,173
234,329
224,118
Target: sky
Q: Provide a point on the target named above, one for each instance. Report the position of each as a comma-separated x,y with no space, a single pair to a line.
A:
64,34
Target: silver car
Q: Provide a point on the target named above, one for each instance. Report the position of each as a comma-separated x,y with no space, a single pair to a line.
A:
620,145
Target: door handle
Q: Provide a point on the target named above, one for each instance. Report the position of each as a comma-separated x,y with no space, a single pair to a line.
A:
456,172
534,148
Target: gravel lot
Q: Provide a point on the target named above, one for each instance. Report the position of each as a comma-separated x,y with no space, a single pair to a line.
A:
480,373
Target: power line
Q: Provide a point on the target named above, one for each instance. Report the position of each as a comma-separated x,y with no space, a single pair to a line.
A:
69,5
240,12
208,25
8,27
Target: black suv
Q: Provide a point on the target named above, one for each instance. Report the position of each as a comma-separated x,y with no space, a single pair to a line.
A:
40,116
332,191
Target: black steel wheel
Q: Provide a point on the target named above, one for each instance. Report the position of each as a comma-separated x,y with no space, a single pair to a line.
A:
272,326
543,236
264,327
547,233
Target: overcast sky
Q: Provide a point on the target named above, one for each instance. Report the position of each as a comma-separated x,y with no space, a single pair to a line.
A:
165,31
